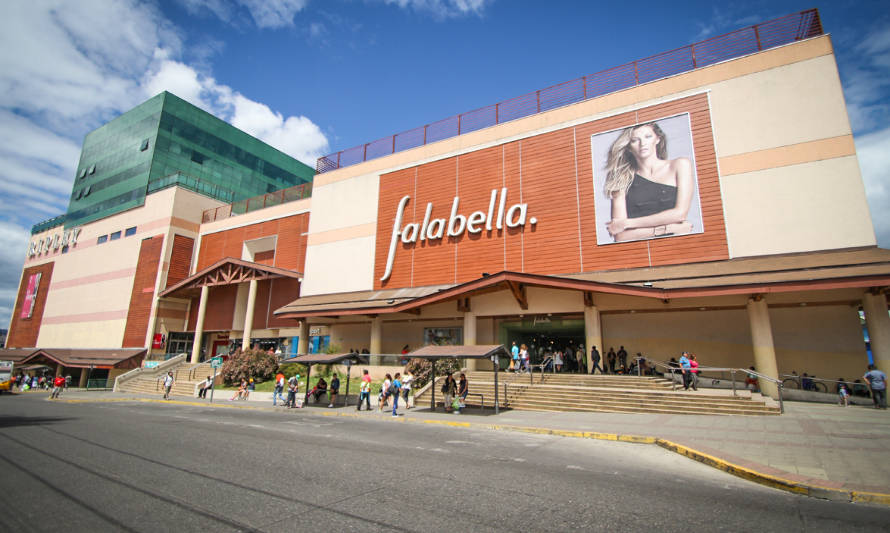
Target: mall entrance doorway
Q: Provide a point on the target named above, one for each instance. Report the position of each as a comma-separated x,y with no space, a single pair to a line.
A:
545,336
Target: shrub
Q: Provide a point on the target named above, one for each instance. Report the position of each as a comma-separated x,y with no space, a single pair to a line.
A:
255,364
421,369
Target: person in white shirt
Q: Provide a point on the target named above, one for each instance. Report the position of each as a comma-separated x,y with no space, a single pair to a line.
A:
168,384
406,388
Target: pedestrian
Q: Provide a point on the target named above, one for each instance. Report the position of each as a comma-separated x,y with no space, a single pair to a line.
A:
610,360
206,385
293,385
843,393
407,379
622,357
251,386
168,384
523,358
463,389
686,368
395,389
364,392
384,393
595,357
693,370
242,390
58,385
334,389
279,388
515,363
449,388
877,382
751,380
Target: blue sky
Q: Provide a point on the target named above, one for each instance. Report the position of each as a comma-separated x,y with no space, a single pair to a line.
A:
315,76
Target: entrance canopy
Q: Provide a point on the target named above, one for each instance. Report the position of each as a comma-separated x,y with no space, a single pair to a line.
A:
16,355
228,271
434,353
88,358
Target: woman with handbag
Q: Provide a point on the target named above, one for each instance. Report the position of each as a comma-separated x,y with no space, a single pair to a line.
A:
449,388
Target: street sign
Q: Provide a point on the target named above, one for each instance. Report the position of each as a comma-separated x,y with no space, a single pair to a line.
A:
216,362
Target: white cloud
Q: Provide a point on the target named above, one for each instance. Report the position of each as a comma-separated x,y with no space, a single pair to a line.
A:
271,14
443,8
874,161
66,67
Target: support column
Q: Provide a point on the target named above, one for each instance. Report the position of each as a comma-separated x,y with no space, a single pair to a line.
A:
303,341
376,346
248,318
199,325
470,337
593,333
84,374
152,323
878,323
762,342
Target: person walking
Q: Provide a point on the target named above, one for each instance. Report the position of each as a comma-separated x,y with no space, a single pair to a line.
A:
523,358
395,389
622,357
693,371
384,393
168,384
58,385
364,392
595,357
877,382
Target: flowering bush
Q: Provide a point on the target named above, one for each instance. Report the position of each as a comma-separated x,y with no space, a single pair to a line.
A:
421,369
255,364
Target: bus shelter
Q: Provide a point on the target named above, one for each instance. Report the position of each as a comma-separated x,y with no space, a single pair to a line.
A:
492,352
347,359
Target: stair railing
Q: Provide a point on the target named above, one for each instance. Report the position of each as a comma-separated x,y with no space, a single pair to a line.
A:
136,372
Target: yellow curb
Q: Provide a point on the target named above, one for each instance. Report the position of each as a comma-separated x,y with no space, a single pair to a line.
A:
775,482
870,497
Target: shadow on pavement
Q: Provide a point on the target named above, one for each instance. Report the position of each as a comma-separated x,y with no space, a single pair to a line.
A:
14,421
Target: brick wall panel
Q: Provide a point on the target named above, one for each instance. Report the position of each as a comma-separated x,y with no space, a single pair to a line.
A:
142,294
23,332
180,259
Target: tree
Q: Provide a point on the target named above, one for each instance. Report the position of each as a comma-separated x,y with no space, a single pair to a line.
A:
255,364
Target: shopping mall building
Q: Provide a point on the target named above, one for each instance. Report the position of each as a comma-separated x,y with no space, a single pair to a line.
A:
741,231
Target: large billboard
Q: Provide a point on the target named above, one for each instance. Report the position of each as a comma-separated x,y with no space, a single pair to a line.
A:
31,295
645,181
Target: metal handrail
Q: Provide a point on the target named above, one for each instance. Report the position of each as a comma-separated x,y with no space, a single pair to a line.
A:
739,43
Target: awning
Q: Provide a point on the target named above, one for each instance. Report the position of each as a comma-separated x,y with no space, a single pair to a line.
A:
88,358
357,302
227,271
16,355
328,359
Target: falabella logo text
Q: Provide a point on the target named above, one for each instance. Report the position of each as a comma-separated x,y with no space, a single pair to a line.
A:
435,228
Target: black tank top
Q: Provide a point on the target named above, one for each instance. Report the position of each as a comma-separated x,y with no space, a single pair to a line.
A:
645,197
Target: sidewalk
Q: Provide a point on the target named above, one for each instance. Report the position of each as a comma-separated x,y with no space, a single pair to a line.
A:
812,446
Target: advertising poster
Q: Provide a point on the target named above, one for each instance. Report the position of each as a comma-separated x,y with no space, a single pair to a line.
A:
30,295
645,182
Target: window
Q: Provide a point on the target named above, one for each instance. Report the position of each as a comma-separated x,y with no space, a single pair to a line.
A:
79,194
92,169
144,146
83,172
130,231
101,239
86,192
115,236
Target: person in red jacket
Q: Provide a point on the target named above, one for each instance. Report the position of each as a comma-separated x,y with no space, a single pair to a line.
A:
58,385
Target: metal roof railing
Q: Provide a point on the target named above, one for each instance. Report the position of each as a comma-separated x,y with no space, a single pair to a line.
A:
777,32
290,194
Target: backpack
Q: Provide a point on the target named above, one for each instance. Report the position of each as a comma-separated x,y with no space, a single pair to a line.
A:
393,390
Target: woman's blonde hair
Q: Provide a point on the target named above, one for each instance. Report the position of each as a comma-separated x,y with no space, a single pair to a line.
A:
621,164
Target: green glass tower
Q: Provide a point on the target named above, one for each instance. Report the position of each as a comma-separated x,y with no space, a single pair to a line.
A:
167,141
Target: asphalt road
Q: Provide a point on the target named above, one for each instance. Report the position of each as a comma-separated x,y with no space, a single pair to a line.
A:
161,467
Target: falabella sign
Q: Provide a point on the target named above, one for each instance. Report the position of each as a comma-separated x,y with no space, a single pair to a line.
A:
435,228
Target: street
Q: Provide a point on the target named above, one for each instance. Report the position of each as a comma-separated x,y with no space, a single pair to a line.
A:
140,466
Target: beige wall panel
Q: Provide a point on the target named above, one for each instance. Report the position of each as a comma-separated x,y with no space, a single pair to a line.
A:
352,336
100,334
821,341
341,266
104,297
191,205
798,208
359,194
779,107
539,301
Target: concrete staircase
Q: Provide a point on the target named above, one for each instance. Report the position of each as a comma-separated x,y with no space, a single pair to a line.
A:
609,393
187,376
